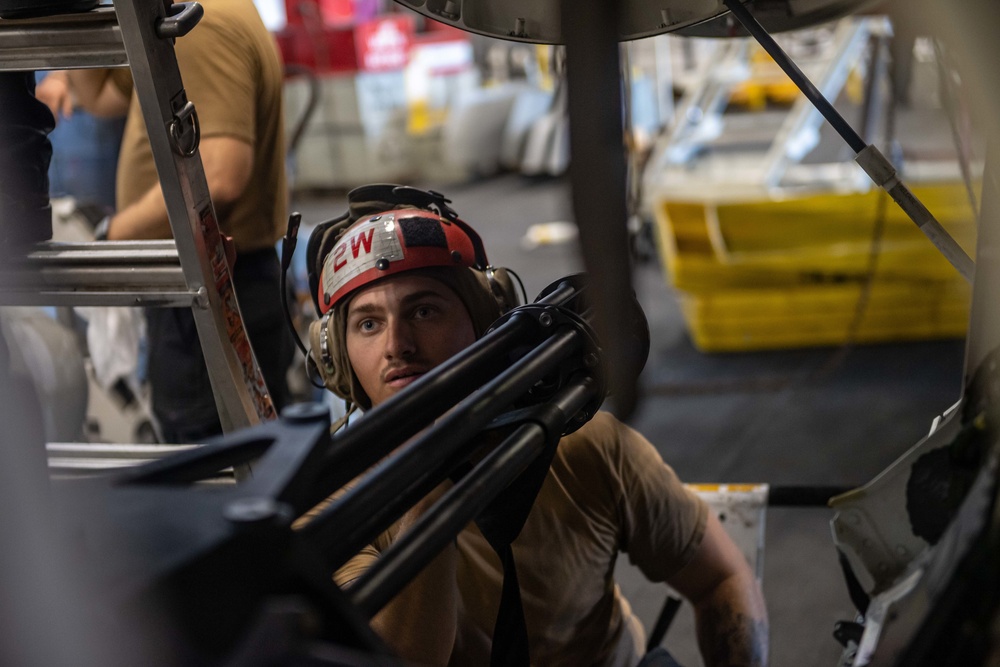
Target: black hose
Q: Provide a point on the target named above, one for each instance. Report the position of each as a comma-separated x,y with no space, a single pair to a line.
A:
288,243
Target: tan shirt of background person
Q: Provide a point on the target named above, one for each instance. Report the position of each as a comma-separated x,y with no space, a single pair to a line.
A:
242,147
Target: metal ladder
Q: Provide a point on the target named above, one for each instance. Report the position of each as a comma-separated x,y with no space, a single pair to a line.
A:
189,271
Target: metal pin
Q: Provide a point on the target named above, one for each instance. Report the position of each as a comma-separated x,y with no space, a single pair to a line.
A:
450,10
251,510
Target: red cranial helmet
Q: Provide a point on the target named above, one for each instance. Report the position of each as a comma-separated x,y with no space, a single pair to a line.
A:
384,244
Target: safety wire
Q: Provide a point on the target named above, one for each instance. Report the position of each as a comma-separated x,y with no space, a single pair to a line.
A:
834,361
520,283
838,357
349,409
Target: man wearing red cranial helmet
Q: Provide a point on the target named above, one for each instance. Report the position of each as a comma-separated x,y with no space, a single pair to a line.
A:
403,284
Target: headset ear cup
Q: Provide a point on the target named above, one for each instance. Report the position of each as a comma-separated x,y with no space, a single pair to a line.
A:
502,287
317,349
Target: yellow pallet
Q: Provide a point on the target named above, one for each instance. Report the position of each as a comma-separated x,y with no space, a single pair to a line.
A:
817,315
796,240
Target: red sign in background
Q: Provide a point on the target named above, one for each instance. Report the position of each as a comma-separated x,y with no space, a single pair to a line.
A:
384,44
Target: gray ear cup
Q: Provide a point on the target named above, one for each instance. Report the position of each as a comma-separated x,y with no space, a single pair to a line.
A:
502,287
321,351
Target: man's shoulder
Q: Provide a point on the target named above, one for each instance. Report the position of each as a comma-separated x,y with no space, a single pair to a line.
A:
601,428
229,49
598,439
606,441
228,11
237,21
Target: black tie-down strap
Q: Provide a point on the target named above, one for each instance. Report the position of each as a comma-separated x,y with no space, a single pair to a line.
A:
510,634
500,524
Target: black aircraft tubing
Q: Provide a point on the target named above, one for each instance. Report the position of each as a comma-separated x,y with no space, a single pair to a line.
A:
399,418
387,426
461,504
382,497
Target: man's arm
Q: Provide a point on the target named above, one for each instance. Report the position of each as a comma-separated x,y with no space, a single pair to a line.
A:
730,614
228,163
94,90
54,92
420,623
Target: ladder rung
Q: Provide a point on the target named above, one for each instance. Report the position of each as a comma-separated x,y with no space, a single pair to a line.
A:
150,299
106,450
76,459
100,273
105,252
63,41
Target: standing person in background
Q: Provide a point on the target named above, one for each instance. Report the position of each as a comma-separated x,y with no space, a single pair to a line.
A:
232,72
84,149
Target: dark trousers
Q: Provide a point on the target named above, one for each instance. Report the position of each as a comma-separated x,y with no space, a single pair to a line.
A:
182,397
25,123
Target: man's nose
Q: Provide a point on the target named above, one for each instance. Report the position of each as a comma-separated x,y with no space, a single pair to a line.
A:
400,341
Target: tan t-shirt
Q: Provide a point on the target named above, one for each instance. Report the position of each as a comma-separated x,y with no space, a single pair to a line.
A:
608,490
232,73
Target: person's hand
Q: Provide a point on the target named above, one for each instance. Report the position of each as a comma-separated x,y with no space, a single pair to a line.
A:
54,92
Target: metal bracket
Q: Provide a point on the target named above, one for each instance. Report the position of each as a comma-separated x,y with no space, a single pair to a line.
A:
182,18
185,131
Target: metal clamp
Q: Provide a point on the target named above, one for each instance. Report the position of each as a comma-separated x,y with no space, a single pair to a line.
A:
185,131
590,362
182,17
878,167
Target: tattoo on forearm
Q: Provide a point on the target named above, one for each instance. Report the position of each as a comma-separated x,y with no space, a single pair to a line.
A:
729,638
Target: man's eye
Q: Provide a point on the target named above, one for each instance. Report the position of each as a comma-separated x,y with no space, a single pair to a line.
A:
366,325
423,311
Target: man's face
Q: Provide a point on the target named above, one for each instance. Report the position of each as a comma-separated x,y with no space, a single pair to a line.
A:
402,327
